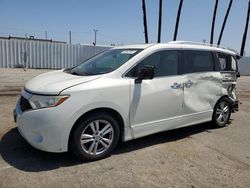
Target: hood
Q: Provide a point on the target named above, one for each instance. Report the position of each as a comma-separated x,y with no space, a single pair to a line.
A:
55,81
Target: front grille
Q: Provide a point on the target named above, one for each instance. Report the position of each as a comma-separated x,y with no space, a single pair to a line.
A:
24,104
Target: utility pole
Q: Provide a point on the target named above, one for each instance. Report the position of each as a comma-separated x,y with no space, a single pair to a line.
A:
245,32
69,36
177,20
225,21
46,35
25,53
95,31
145,20
213,22
159,23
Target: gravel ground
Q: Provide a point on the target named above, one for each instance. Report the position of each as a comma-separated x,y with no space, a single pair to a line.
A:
197,156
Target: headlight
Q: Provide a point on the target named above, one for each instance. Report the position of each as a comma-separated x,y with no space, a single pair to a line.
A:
40,101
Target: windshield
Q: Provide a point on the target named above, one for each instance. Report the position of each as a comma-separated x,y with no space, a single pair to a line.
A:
105,62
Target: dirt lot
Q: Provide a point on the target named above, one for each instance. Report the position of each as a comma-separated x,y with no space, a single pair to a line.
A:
198,156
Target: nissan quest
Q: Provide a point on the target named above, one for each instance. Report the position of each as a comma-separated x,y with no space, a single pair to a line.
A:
125,93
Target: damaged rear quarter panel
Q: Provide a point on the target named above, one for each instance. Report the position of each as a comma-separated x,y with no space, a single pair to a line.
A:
206,90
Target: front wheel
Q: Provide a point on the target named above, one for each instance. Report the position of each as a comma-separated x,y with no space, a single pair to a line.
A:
222,112
95,137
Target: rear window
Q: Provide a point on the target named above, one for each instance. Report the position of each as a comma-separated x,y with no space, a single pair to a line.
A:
197,61
225,62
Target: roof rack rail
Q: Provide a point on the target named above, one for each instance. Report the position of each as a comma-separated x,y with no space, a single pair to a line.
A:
203,44
197,43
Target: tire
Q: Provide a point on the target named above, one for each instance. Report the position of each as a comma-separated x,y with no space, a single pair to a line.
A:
95,137
222,112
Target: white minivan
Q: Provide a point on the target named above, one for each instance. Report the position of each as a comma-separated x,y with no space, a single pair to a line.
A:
125,93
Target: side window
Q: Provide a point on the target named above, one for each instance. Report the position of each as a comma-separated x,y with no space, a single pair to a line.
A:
165,63
234,64
226,62
197,61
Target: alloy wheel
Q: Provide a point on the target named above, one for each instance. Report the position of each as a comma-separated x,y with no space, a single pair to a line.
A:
222,112
97,137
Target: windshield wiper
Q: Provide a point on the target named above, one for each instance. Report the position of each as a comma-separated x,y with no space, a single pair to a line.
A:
75,73
67,70
89,74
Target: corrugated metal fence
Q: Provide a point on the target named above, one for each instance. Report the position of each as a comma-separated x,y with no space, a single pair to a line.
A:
244,66
46,55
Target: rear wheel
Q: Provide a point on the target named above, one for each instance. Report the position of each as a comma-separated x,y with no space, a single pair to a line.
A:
95,137
222,112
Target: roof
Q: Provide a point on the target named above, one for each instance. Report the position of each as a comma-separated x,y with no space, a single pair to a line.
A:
135,46
181,44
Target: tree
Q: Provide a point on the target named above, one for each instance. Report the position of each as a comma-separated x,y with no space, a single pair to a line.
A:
245,32
225,21
159,22
213,22
145,20
177,20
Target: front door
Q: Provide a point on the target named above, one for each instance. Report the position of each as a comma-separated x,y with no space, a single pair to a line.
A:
156,105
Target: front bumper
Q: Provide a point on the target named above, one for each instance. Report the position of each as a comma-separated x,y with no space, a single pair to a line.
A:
44,129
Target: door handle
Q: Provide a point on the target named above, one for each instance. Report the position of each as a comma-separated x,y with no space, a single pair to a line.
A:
176,85
189,83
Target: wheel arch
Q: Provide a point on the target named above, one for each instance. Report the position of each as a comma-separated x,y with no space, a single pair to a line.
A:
214,118
116,115
224,96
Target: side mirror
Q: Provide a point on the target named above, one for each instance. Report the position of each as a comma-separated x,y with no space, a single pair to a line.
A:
238,74
145,73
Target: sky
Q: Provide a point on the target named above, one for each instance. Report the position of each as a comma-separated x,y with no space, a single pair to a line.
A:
120,21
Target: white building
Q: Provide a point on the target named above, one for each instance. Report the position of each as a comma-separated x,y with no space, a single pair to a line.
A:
244,66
